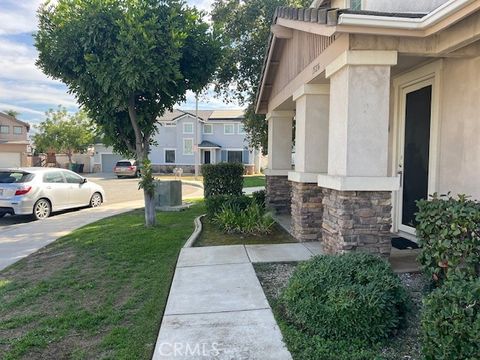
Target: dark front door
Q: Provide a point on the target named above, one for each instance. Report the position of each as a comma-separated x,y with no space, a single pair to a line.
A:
418,106
206,157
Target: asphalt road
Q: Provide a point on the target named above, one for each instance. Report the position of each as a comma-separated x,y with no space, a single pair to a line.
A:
117,191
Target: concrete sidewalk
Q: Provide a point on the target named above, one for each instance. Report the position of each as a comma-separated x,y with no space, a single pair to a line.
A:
217,309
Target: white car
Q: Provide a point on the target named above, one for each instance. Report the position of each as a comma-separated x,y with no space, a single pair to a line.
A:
41,191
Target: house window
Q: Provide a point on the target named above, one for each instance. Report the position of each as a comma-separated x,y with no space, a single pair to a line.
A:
17,130
229,129
187,146
4,129
235,156
170,156
188,128
356,5
241,129
208,129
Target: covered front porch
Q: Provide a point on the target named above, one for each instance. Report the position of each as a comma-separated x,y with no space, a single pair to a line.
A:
362,109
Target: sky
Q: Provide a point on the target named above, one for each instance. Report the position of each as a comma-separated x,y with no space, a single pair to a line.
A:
24,88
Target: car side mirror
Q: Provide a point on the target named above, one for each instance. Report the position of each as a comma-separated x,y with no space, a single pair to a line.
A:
84,180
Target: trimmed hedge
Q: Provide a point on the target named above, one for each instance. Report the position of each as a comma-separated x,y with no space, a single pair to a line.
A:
223,179
449,235
451,321
353,297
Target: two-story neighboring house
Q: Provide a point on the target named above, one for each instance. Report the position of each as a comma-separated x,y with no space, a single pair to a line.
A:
217,134
14,144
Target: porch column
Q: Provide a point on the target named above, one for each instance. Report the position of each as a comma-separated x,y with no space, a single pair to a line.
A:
357,190
278,190
311,159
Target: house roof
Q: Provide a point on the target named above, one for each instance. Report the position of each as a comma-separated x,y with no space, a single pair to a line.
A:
322,20
203,115
6,116
209,145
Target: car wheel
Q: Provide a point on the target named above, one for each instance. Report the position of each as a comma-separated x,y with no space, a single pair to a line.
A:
138,174
42,209
119,177
96,200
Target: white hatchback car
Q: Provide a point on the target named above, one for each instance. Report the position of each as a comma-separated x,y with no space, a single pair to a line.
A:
41,191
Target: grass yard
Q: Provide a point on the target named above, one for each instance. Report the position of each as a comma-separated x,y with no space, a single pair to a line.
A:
212,236
253,180
99,292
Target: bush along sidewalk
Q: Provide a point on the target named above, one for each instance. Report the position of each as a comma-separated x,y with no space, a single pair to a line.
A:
449,235
341,307
230,210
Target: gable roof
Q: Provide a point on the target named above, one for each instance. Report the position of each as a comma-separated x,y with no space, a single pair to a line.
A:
203,115
12,118
329,22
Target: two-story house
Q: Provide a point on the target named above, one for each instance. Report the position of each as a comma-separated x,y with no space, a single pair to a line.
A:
14,144
183,140
218,135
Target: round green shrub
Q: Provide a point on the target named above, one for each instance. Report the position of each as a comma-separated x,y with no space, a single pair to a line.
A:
451,321
353,296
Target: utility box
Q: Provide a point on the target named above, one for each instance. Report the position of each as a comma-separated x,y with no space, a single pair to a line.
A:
168,193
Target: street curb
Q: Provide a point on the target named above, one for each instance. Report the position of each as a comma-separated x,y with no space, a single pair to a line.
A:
192,183
196,233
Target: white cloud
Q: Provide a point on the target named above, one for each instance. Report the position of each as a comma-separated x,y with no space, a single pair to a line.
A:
20,109
35,93
18,17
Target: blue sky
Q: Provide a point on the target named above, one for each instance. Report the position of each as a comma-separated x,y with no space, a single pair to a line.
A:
25,88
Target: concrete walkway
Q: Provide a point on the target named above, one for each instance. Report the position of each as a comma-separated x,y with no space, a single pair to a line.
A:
20,240
217,309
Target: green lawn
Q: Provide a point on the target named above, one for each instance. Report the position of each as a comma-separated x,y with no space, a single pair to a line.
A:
212,236
99,292
253,181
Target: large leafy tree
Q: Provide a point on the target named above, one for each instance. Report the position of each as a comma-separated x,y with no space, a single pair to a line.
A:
127,62
64,133
245,27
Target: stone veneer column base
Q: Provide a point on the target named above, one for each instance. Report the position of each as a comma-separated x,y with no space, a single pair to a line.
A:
307,211
278,193
357,221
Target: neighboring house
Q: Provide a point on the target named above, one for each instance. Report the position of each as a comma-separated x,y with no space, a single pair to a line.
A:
14,144
386,104
219,138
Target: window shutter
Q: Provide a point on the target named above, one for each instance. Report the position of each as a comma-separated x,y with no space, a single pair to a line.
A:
224,156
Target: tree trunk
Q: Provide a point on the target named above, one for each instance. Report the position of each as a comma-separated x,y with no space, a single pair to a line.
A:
150,212
141,150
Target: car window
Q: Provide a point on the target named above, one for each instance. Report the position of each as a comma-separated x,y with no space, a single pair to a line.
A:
10,177
123,164
53,177
72,178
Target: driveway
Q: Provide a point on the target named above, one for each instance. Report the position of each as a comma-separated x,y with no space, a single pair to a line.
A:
20,236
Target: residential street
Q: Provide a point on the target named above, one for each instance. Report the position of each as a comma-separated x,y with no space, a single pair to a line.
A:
20,236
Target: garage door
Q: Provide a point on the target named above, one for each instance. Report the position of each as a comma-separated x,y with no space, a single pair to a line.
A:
109,161
8,159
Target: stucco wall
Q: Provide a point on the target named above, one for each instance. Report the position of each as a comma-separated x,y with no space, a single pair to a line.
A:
402,6
459,170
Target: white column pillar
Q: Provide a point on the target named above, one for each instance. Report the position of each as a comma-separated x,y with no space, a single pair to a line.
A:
311,132
280,127
359,117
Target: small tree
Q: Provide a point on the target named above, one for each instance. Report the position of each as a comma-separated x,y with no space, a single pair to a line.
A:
127,62
12,113
64,133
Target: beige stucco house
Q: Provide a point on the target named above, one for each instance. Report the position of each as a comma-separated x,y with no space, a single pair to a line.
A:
14,144
385,96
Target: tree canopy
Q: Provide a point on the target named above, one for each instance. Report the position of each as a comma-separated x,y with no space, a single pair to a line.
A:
245,27
127,62
64,133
